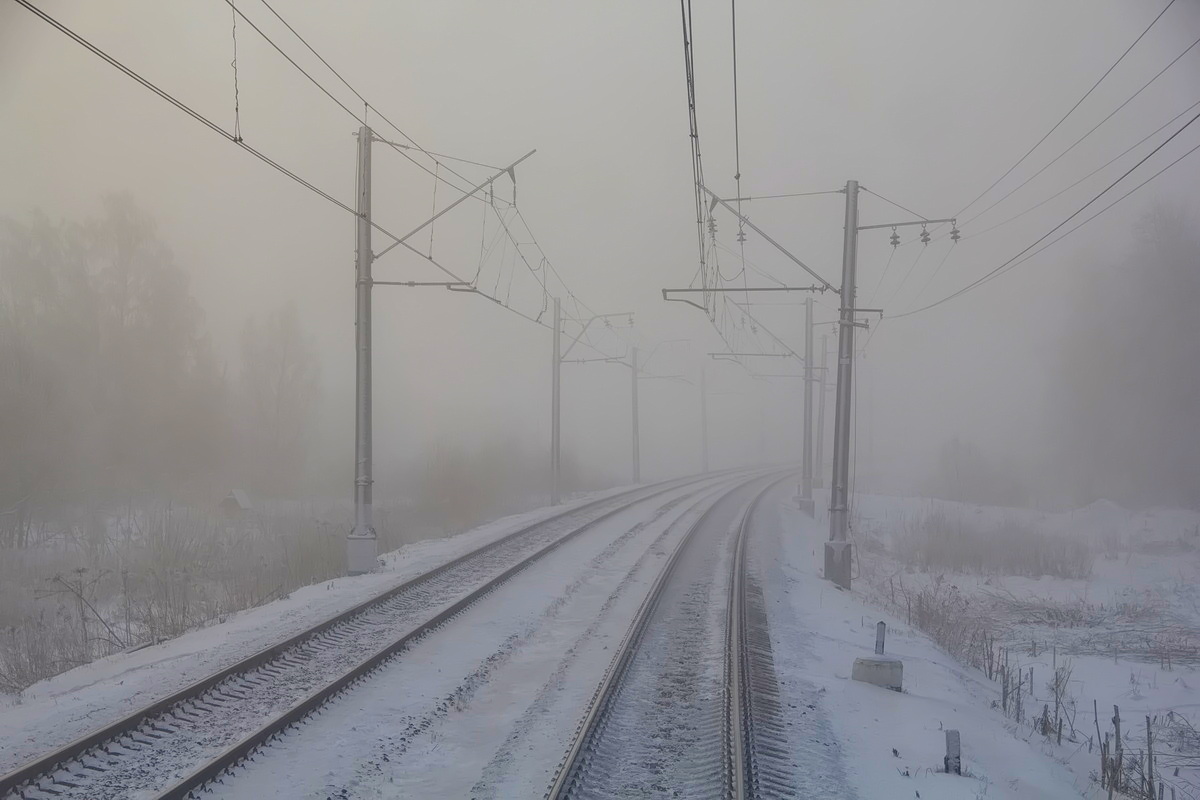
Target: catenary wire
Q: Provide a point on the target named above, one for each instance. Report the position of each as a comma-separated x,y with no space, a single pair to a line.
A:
1013,260
893,202
1079,102
1103,166
365,102
1093,129
208,123
361,120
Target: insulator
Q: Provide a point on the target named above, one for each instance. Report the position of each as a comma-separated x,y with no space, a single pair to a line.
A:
631,320
954,235
741,237
895,238
924,235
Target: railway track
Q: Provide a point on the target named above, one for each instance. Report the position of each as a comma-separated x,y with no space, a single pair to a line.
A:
726,730
219,721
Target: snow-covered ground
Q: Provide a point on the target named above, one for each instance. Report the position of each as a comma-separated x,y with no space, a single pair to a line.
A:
1143,582
819,630
58,710
486,706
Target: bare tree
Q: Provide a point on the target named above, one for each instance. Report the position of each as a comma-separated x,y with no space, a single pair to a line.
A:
280,382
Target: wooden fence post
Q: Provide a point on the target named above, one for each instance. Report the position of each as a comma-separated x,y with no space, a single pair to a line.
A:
1118,750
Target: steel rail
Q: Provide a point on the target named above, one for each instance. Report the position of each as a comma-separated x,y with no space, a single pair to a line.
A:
740,754
28,775
569,774
237,754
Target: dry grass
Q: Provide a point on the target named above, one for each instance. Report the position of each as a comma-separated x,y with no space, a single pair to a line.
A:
942,541
68,602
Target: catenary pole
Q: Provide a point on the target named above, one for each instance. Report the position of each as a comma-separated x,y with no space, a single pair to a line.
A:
838,548
362,545
806,486
555,405
703,419
819,481
637,455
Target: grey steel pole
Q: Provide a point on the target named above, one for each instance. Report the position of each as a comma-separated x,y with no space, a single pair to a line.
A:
837,549
818,480
637,454
806,486
703,420
362,546
555,404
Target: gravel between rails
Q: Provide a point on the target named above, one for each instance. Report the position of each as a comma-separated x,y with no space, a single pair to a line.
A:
659,724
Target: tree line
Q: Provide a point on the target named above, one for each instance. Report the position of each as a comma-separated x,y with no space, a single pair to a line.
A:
110,384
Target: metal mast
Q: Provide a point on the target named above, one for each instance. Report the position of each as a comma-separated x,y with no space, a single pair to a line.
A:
637,453
806,486
838,548
362,545
819,482
703,420
555,405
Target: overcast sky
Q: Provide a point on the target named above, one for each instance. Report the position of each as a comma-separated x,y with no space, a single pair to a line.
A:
925,103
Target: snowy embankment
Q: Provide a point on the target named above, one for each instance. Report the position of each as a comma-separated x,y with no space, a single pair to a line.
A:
491,700
1125,636
58,710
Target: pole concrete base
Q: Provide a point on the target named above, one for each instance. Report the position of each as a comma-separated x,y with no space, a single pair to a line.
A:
837,563
361,552
807,506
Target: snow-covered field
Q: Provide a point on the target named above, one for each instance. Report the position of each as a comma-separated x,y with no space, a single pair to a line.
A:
485,706
1115,631
57,710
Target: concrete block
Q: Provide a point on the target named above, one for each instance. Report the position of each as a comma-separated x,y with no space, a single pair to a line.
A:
837,563
361,552
953,760
885,671
807,506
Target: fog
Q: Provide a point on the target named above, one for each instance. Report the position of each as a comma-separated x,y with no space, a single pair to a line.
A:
1070,378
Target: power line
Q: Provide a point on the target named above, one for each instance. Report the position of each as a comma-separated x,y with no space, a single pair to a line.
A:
1101,211
737,148
203,120
920,254
883,274
1111,114
893,202
1103,166
361,120
365,102
1012,262
792,194
934,274
1069,112
702,215
208,123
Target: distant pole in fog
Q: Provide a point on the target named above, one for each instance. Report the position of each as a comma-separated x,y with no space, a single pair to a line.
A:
560,356
703,420
362,545
819,481
837,549
806,485
555,404
637,453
